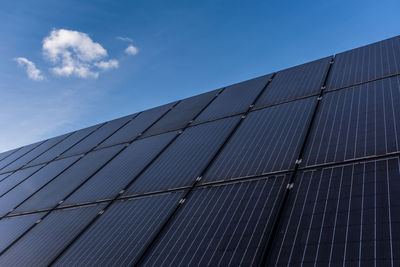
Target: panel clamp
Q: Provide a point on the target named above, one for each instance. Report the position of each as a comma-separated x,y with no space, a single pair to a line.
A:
298,161
181,201
289,186
121,192
198,178
101,212
243,116
38,221
319,98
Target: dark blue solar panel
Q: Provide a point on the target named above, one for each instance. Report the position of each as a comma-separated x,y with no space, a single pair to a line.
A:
119,236
15,178
343,215
356,122
137,125
182,113
5,154
19,153
182,162
65,183
47,239
223,225
13,227
4,176
121,170
18,194
366,63
68,142
34,153
296,82
97,136
267,140
234,99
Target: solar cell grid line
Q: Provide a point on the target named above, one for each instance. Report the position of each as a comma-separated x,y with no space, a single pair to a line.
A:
364,64
12,228
62,146
205,230
296,82
58,189
42,148
183,113
138,126
49,236
99,136
283,204
364,122
348,219
234,100
269,140
125,229
14,156
35,182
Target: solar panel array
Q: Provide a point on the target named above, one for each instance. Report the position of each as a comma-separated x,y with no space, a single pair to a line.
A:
298,167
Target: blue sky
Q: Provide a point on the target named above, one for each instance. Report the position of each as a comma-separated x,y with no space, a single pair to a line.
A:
184,48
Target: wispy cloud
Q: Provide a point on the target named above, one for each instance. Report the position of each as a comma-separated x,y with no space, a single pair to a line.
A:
74,53
131,50
31,70
125,39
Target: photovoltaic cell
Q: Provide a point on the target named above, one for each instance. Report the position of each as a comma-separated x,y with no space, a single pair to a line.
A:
68,142
47,239
65,183
182,162
234,99
97,136
137,125
4,176
119,236
342,215
267,140
19,153
34,153
366,63
121,170
19,193
15,178
13,227
182,113
223,225
296,82
356,122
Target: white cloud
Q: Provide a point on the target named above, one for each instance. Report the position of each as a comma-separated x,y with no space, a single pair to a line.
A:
125,39
75,54
131,50
31,70
106,65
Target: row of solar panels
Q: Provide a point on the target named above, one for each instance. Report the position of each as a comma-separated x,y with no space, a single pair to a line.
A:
218,223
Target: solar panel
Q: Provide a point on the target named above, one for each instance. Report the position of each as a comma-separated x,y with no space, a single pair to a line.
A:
366,63
5,154
34,153
121,170
356,122
98,136
14,156
42,244
224,225
64,184
4,176
29,186
268,140
58,149
13,227
185,111
342,215
15,178
137,126
182,162
119,236
234,99
296,82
